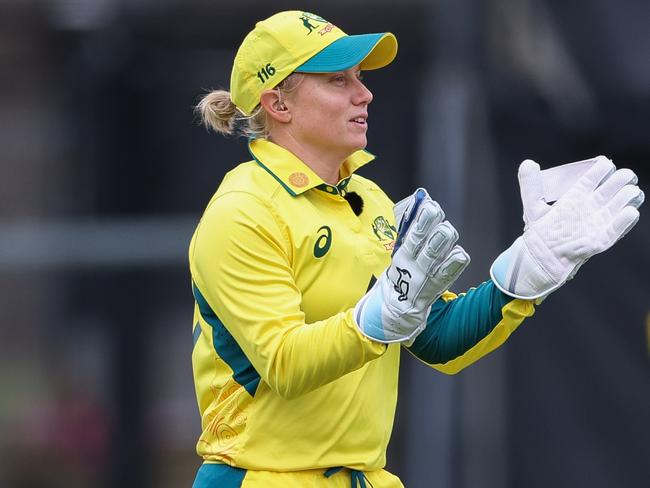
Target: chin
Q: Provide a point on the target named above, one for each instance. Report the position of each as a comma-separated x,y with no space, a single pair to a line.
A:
361,144
351,146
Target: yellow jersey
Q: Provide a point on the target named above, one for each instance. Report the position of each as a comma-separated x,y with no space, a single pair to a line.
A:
284,379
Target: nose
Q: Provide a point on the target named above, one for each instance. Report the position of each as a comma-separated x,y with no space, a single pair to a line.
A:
363,96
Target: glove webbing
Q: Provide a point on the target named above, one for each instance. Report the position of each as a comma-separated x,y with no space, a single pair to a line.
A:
557,180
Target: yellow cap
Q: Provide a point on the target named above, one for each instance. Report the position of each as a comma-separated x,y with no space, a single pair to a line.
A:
299,41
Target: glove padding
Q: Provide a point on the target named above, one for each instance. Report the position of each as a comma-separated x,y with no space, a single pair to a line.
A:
594,213
425,263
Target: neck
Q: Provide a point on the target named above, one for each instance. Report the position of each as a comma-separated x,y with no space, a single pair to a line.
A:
325,162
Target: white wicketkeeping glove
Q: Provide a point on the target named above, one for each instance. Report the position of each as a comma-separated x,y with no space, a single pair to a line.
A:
425,263
594,213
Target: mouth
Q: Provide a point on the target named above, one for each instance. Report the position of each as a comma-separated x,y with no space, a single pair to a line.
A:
361,120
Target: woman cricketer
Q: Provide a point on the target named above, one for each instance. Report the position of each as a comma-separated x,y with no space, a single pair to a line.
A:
309,282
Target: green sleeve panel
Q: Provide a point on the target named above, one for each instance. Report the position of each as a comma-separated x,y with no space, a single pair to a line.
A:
456,326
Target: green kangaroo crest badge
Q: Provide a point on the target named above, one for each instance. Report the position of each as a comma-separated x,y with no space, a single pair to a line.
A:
385,232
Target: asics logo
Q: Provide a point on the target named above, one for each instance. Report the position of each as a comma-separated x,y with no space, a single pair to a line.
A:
323,242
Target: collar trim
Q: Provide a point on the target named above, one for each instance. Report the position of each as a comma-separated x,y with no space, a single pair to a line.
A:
294,175
338,189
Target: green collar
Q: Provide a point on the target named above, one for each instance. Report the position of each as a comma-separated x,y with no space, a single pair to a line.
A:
294,175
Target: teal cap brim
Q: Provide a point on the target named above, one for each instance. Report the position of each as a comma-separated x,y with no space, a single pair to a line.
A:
349,51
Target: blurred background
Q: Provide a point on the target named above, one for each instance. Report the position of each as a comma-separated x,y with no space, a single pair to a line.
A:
104,173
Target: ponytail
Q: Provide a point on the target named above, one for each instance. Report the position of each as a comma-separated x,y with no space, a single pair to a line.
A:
217,112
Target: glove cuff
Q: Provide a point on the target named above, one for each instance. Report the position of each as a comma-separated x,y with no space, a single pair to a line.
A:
378,322
516,273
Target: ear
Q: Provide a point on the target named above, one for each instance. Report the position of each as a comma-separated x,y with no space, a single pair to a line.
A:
275,107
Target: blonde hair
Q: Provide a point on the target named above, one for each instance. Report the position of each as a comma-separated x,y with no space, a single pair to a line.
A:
219,113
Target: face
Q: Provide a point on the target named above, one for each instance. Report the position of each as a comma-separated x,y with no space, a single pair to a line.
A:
329,112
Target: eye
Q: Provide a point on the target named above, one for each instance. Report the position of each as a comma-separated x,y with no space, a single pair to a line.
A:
360,76
338,78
